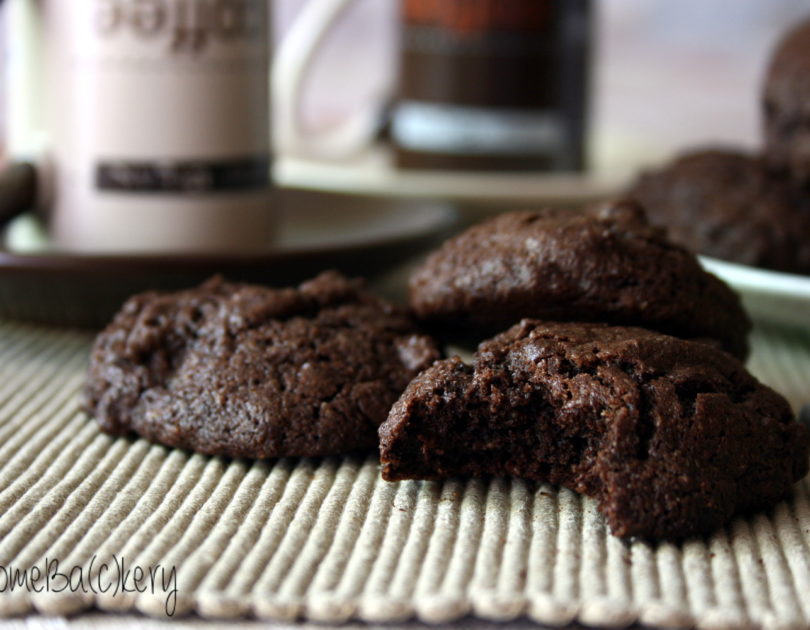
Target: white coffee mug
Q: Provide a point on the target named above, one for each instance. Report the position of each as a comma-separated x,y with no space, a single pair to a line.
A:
149,120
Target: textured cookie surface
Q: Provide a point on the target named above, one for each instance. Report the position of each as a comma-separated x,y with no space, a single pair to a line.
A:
249,371
603,265
671,437
786,104
731,206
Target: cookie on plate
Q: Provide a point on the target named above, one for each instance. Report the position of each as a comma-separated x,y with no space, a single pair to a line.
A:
249,371
672,437
731,206
606,264
786,104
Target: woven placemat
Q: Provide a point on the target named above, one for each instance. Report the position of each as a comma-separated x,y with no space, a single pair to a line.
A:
328,540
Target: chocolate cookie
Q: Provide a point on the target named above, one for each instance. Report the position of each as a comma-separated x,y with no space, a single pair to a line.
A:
672,437
249,371
603,265
786,104
731,206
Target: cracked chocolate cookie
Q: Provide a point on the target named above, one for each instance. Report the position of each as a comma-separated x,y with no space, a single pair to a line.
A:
606,264
731,206
249,371
672,437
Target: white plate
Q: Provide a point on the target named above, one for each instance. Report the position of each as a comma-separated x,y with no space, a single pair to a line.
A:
372,173
773,296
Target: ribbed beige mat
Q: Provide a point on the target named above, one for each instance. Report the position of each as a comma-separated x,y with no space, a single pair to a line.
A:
327,540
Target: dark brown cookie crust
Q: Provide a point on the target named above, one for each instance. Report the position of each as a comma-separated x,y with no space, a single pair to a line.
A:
248,371
786,104
672,437
731,206
604,265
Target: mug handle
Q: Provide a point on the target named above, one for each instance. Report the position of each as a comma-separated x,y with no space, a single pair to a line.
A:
291,64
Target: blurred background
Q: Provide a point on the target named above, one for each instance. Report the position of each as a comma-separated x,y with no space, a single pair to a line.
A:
666,75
